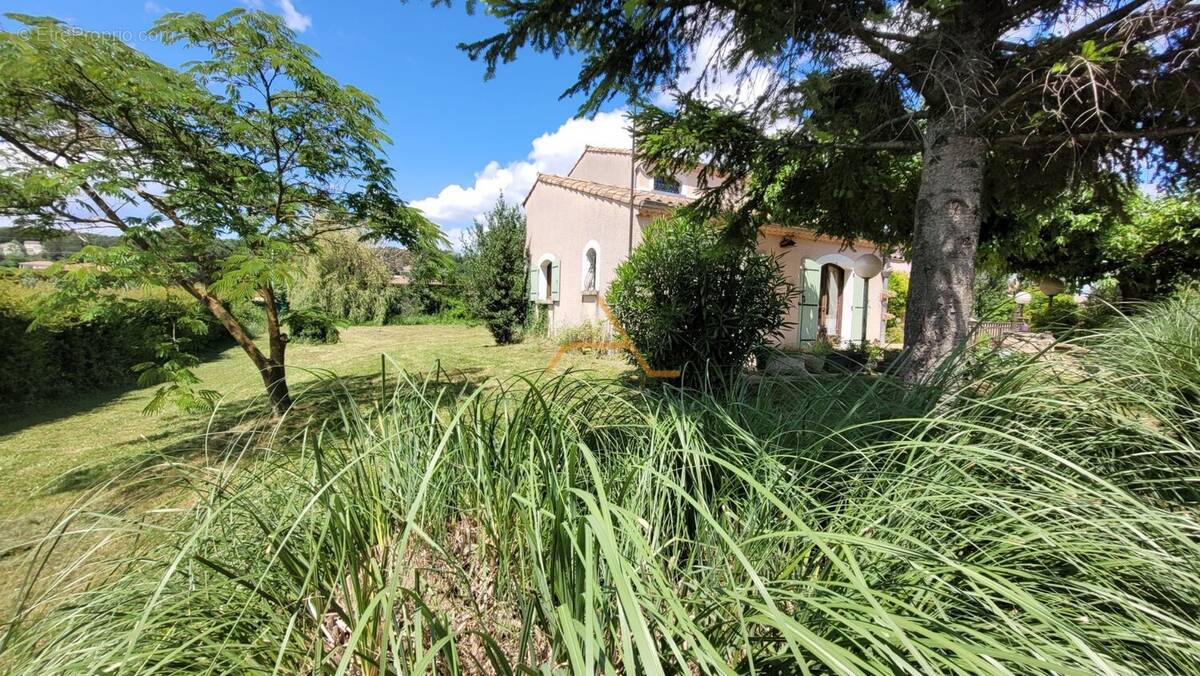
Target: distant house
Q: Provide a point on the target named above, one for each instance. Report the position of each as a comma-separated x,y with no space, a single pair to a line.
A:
580,226
16,247
35,265
398,262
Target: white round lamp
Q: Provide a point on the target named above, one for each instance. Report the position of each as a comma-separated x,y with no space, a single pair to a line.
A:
1023,298
867,266
1052,286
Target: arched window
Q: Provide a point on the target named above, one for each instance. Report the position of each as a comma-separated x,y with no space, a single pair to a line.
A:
591,268
545,279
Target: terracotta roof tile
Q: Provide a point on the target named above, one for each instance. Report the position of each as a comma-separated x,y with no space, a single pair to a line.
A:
614,193
657,201
608,150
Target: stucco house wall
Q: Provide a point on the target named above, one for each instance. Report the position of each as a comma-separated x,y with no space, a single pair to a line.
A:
689,182
822,251
603,165
565,216
560,226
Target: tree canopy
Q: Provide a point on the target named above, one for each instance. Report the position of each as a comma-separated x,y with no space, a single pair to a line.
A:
908,123
216,175
1148,244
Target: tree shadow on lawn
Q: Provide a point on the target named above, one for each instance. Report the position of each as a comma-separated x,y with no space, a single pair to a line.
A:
24,415
241,429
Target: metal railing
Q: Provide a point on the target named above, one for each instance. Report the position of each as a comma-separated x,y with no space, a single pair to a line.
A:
997,330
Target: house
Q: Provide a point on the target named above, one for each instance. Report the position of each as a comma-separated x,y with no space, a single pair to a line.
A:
579,227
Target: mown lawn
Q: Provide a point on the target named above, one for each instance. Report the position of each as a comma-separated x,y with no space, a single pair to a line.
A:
56,454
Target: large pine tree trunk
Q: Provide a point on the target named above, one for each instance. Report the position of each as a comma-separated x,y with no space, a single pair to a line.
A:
949,211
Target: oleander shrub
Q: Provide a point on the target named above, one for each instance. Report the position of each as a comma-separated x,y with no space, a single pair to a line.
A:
693,302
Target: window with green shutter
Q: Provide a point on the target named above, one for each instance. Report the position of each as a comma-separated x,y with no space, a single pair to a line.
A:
859,288
810,296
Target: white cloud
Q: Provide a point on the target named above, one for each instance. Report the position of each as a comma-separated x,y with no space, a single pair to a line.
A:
152,7
554,152
294,19
709,76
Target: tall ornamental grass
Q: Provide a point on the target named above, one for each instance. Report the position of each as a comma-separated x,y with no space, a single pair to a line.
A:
1021,514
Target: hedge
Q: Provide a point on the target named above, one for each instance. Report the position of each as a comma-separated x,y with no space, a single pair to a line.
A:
69,353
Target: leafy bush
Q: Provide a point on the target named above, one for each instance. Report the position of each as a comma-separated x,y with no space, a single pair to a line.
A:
1019,520
1059,317
435,289
585,332
897,285
345,280
993,297
252,315
455,314
312,326
497,278
1103,304
693,302
50,353
537,320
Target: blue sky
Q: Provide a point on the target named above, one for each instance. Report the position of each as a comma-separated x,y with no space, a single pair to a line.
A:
458,140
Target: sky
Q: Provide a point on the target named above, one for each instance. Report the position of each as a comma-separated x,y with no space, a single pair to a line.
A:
457,141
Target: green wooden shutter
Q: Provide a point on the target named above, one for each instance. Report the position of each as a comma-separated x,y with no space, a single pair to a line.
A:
533,282
810,295
554,279
858,313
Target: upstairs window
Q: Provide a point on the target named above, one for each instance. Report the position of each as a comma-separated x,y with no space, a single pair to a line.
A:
666,184
589,271
546,281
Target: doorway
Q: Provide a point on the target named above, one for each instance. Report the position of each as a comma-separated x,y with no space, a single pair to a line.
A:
829,303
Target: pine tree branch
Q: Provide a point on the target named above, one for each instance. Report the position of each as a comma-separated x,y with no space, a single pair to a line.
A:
1089,137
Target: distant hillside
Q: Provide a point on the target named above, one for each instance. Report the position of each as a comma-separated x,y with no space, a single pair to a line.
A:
54,248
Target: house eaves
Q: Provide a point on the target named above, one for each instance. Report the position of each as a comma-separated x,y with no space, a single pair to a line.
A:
612,193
